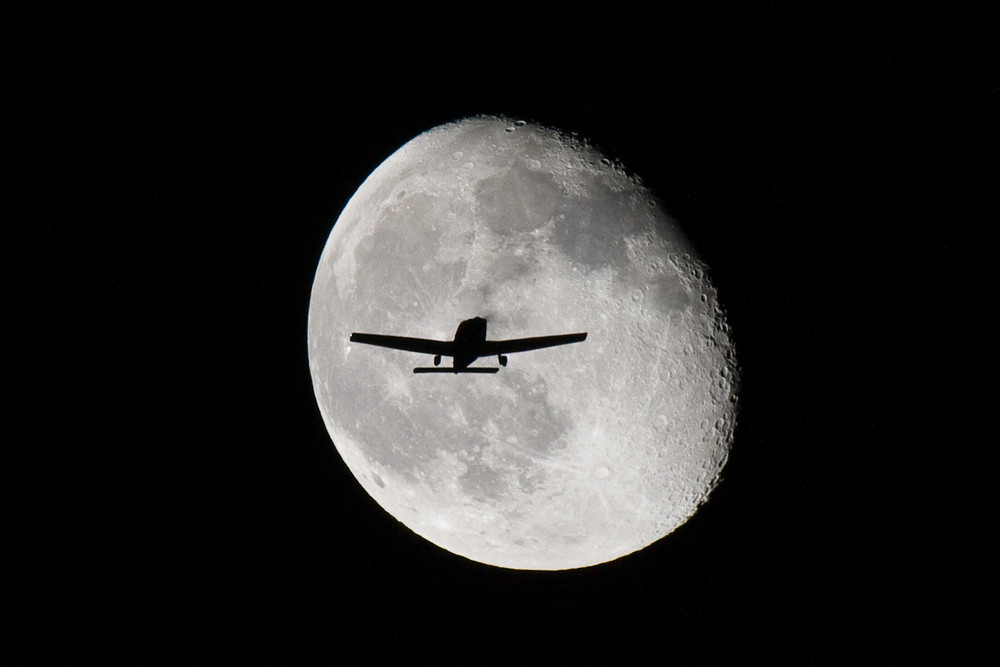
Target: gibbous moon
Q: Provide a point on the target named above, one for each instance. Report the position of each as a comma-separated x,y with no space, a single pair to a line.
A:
569,456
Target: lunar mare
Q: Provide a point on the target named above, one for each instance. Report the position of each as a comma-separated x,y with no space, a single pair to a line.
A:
570,456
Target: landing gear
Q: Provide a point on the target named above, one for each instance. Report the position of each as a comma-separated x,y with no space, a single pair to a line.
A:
437,360
502,359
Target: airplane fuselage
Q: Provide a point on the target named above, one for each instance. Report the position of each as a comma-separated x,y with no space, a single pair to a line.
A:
469,339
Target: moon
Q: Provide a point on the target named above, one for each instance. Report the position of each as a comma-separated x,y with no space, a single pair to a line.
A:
569,456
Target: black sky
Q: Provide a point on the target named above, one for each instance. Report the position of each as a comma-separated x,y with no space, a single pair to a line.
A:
176,174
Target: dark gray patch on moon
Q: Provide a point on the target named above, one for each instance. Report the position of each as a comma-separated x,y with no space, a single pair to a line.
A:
517,200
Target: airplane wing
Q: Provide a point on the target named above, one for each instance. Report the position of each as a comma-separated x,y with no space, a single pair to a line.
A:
424,345
492,347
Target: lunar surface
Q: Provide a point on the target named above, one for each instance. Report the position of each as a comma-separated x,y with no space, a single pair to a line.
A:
569,456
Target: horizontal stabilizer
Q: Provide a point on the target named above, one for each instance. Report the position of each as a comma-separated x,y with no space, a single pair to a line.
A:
474,369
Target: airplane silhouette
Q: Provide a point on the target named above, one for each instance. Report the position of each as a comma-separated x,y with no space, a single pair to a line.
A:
470,343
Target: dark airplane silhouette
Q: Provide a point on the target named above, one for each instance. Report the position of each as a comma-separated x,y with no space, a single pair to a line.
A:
470,343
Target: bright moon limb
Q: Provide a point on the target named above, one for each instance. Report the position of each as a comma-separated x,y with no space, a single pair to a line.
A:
569,456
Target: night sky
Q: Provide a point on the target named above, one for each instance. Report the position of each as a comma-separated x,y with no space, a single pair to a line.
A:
176,174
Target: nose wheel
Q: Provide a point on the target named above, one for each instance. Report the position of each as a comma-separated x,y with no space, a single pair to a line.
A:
502,359
437,360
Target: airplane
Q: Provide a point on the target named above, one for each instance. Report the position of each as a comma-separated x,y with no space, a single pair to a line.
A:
470,343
